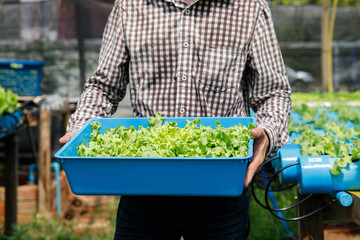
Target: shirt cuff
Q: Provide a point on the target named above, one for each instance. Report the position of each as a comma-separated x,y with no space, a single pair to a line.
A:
73,128
271,133
74,125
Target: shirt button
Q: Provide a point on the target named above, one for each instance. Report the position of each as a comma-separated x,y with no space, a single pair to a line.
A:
184,78
182,109
187,12
186,44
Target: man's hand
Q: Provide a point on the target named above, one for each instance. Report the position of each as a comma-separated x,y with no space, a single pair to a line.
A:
261,145
64,139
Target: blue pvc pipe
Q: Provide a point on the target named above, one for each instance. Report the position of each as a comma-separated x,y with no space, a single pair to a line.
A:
31,174
288,154
343,198
276,206
56,167
315,176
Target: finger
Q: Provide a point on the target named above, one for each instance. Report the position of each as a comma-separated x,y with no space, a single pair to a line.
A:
255,132
258,132
64,139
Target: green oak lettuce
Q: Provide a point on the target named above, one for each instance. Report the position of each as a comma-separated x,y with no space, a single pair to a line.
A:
168,140
338,141
8,101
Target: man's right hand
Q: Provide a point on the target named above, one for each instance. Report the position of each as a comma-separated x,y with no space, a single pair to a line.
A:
64,139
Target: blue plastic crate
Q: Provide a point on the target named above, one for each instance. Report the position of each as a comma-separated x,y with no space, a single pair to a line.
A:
23,77
9,123
153,176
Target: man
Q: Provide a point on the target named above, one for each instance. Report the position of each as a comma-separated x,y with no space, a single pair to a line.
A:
186,59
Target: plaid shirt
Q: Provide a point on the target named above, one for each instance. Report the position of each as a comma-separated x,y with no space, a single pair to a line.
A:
211,58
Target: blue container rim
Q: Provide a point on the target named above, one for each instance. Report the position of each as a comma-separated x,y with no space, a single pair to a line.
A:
61,158
22,62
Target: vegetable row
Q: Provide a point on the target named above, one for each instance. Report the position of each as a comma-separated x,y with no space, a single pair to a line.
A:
332,131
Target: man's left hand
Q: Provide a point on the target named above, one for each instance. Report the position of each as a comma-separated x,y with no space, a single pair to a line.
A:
261,145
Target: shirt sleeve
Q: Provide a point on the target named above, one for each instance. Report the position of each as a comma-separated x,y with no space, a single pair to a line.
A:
107,86
271,94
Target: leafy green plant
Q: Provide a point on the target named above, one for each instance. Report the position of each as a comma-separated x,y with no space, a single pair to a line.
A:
347,113
8,101
308,114
327,144
168,140
335,142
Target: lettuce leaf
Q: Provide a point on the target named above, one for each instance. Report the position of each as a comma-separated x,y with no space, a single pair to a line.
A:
166,139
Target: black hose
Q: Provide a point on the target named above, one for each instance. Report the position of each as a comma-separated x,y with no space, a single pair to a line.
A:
272,211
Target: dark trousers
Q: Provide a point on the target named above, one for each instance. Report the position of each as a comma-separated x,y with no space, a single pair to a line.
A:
194,218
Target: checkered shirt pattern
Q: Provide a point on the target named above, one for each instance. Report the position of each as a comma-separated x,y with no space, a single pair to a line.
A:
210,58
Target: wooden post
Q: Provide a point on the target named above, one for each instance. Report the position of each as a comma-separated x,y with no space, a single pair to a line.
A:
331,36
44,167
11,183
325,45
312,227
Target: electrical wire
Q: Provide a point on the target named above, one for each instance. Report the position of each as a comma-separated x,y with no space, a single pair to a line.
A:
277,209
259,174
255,197
273,211
266,161
269,160
294,205
261,186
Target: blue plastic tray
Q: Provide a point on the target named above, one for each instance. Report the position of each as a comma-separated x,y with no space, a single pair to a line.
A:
153,176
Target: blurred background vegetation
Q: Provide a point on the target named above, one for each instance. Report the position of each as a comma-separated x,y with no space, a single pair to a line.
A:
67,35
